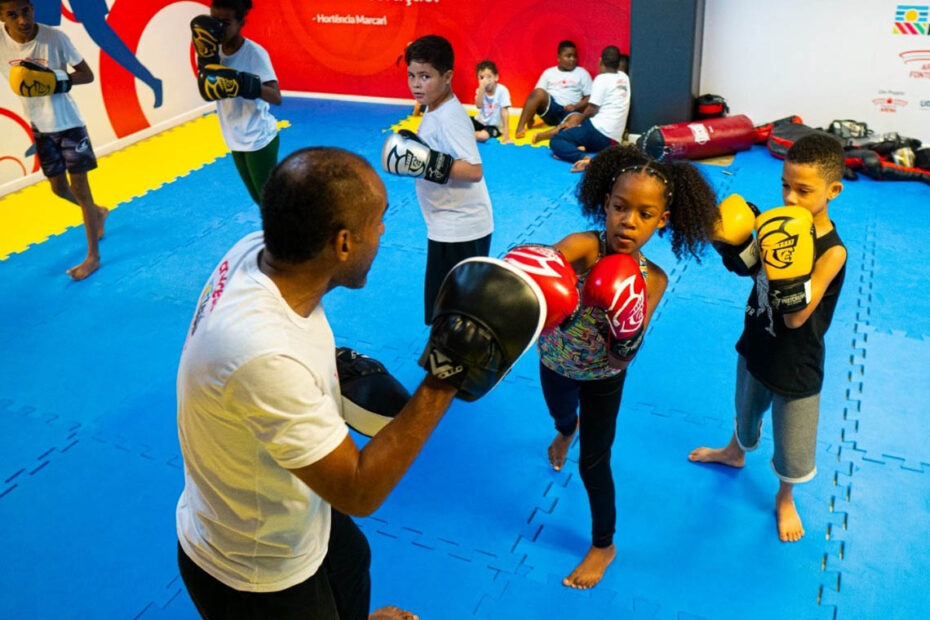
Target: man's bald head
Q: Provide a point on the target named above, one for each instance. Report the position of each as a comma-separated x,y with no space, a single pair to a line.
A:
311,195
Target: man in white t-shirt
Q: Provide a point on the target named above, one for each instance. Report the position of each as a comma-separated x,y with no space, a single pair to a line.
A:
249,129
270,470
604,119
34,58
560,90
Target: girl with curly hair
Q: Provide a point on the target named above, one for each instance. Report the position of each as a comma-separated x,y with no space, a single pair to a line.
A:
628,196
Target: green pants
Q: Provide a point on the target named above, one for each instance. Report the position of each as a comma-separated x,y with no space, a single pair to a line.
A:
255,166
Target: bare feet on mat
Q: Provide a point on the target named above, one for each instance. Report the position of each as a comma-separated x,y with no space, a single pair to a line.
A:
732,455
790,528
89,266
591,570
558,450
581,165
392,613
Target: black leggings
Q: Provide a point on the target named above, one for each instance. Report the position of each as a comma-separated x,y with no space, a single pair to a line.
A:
339,590
600,403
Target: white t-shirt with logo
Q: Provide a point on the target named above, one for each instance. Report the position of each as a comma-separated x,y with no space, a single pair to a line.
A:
611,93
53,49
247,124
458,210
258,395
491,106
566,87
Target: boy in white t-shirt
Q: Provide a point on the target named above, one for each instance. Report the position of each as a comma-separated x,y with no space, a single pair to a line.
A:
560,90
35,58
604,119
493,102
451,190
249,129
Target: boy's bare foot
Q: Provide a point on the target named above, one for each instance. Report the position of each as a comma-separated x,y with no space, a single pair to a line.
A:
591,570
89,266
102,213
519,133
558,450
392,613
790,528
732,455
581,165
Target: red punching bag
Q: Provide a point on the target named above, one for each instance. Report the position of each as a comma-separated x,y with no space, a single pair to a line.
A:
699,139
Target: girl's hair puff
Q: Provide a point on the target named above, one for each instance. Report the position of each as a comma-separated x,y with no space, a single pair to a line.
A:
690,200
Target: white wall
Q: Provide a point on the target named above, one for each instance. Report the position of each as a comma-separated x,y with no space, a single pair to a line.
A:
820,59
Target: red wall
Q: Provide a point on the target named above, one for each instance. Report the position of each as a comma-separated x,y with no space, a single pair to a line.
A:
521,36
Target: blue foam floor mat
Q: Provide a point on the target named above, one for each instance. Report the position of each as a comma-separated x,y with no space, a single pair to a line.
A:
481,526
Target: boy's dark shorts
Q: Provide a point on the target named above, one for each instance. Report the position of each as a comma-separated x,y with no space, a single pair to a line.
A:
554,113
493,131
69,149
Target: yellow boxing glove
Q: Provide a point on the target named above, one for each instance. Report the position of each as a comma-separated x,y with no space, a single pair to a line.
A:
733,235
29,79
786,247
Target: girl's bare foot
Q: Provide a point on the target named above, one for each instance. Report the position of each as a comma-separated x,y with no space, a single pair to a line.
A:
89,266
591,570
731,455
558,450
790,528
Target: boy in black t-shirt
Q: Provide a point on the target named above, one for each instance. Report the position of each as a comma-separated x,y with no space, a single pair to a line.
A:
781,350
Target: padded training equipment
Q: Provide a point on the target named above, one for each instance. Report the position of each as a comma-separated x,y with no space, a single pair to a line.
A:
371,396
710,106
733,235
405,154
555,277
221,82
29,79
699,139
786,247
486,315
206,34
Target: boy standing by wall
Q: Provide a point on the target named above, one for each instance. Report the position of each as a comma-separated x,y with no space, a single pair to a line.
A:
444,156
781,350
35,59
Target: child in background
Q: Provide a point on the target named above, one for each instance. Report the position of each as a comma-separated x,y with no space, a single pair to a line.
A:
249,129
604,119
629,197
781,350
35,58
493,102
444,156
561,90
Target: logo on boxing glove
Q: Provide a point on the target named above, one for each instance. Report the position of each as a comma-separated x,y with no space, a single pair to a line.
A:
541,261
441,366
413,164
777,243
628,317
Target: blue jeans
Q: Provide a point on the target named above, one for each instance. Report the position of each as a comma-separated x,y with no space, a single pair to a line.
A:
565,143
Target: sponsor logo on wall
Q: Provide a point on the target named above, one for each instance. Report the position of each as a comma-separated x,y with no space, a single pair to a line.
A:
917,63
925,105
890,101
912,19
